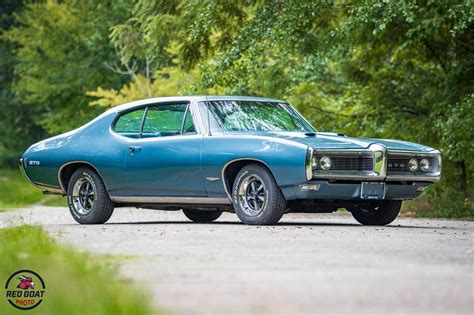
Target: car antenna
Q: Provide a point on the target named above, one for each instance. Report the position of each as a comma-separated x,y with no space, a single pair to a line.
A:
208,118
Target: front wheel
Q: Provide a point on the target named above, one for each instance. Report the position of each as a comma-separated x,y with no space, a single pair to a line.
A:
381,213
87,198
256,197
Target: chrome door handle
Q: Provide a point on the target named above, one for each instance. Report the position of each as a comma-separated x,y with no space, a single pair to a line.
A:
134,148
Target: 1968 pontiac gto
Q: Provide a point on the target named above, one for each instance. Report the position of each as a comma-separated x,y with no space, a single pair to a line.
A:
257,157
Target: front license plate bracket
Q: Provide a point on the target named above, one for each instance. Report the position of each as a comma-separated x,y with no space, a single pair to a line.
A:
372,190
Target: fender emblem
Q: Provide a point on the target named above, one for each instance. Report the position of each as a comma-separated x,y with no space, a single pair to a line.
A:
310,187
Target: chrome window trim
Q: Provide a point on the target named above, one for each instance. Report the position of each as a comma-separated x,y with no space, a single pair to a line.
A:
186,113
188,104
140,134
288,107
191,106
174,200
120,114
194,108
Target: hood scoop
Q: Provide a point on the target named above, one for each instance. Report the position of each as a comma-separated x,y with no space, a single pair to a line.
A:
332,134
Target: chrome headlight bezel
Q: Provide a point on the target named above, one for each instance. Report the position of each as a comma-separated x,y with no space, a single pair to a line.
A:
308,164
325,163
413,165
425,165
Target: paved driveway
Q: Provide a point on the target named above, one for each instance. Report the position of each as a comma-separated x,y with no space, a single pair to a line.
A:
306,264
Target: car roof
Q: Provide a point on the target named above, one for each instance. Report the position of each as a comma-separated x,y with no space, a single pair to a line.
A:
157,100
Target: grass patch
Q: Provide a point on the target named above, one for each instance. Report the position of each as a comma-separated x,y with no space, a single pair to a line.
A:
17,192
76,283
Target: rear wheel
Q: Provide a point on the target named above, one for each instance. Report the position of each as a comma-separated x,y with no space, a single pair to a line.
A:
256,197
202,216
382,213
87,197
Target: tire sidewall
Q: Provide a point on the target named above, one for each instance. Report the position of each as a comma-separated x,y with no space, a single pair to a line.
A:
241,176
74,178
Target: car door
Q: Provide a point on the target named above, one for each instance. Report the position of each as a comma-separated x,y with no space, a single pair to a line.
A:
165,158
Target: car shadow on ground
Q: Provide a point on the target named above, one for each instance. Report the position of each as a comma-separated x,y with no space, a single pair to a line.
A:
288,224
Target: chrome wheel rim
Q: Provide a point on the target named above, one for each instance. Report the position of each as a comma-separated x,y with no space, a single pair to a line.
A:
83,196
252,195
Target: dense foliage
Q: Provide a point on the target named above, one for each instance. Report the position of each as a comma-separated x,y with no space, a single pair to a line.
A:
394,69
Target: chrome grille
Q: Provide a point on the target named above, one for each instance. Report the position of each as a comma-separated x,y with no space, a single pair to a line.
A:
351,163
397,164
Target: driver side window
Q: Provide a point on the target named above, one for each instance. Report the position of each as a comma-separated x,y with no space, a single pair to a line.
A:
166,120
156,121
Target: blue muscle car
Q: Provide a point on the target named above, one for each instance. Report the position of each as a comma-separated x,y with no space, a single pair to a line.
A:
257,157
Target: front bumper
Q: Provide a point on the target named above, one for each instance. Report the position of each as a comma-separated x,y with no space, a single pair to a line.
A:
327,190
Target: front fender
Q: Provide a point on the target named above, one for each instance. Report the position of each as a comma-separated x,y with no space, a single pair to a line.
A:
284,158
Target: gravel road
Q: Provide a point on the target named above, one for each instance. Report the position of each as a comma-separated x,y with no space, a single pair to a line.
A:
306,264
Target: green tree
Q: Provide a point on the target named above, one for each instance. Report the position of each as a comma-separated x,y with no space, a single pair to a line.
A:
16,119
63,51
415,62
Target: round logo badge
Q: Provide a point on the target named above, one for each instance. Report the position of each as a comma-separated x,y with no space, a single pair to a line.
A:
25,289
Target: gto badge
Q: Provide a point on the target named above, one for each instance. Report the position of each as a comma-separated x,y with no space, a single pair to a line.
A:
34,163
396,165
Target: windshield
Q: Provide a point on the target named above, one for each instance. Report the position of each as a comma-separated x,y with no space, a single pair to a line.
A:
257,116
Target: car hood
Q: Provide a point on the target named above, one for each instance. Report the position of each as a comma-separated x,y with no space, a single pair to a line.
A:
325,140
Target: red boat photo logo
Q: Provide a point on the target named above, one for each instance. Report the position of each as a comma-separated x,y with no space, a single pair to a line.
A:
25,289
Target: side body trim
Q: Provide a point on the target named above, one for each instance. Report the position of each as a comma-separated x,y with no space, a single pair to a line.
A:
176,200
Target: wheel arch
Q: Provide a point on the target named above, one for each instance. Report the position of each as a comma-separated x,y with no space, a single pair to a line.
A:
232,168
66,170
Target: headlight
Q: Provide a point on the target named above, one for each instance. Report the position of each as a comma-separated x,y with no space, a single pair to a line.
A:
425,165
325,163
314,162
413,165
